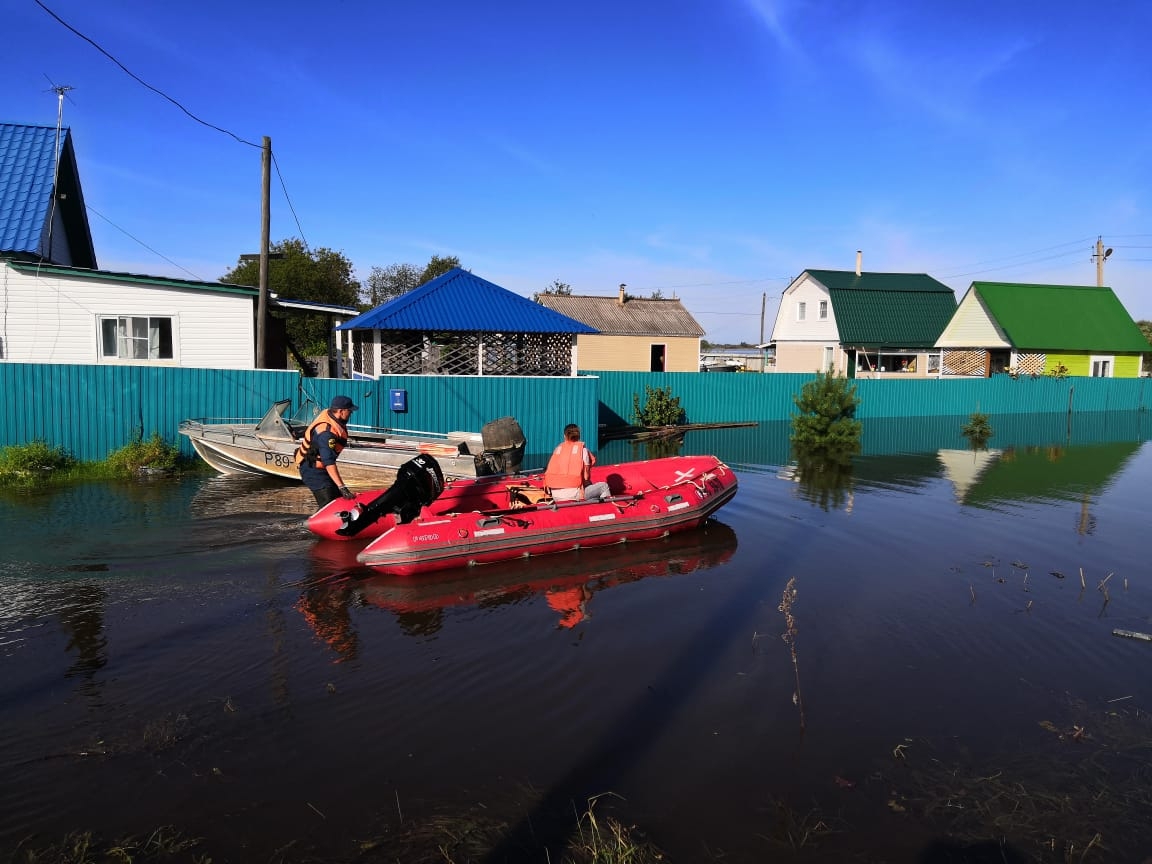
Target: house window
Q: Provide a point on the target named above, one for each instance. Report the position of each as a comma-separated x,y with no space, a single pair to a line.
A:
828,351
132,338
889,362
1102,367
823,310
801,311
658,358
933,364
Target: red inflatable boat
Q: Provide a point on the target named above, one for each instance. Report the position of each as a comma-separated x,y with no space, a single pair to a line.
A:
421,524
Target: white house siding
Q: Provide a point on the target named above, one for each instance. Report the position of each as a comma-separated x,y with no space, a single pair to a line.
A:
789,328
800,345
55,319
634,353
972,326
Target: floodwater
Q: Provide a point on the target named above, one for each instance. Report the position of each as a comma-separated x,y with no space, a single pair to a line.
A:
183,653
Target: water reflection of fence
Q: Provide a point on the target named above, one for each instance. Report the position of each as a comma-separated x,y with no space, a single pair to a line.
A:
768,443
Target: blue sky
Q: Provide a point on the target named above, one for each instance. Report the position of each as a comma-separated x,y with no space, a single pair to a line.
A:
711,149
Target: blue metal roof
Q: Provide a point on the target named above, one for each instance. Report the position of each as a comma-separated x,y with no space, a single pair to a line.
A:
27,174
460,301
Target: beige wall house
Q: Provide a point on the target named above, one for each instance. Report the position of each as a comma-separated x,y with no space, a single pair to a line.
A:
635,335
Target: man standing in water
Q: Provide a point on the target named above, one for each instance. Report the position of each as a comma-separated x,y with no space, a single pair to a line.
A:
319,448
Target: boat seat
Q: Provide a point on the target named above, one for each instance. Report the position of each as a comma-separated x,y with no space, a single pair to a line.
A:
527,496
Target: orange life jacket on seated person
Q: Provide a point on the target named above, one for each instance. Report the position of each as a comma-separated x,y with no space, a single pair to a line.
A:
566,467
309,451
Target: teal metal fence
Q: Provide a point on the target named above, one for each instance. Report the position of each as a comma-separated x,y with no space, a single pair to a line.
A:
93,410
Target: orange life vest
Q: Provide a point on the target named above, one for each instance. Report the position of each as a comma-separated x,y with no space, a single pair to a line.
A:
309,450
566,467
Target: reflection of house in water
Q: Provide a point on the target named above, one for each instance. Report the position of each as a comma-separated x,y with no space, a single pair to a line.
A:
964,467
1042,473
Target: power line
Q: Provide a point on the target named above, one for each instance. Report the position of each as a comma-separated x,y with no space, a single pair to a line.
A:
142,243
1016,264
137,78
284,187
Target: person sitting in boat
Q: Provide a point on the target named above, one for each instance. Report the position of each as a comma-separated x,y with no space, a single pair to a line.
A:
568,476
320,446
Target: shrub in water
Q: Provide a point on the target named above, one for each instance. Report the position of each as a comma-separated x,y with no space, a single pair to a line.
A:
29,463
153,454
661,408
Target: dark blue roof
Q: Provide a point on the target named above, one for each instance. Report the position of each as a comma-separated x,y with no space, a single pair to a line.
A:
460,301
27,175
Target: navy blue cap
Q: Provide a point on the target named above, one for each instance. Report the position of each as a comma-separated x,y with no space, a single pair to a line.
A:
340,402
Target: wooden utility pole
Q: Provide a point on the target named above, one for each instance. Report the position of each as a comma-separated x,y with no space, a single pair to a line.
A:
265,226
763,301
1100,256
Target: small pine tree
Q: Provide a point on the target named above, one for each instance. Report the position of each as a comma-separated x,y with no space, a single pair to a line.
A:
827,414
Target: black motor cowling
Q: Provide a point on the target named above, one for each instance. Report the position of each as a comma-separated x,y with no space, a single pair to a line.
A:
504,444
419,482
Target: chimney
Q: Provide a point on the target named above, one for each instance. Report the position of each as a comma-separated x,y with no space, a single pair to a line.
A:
621,300
859,261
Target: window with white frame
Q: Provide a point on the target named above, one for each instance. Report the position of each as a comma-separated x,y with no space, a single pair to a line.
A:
801,311
823,310
934,364
135,338
828,354
1102,367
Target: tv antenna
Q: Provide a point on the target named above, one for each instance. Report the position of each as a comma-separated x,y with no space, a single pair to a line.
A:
61,90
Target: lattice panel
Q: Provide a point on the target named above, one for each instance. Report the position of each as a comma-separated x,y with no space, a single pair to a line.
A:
363,355
1031,364
408,353
527,354
964,363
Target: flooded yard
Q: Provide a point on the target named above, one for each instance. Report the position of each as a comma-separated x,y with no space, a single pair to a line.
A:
183,653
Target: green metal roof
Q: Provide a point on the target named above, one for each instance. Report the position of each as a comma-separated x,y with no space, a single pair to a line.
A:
1061,317
895,310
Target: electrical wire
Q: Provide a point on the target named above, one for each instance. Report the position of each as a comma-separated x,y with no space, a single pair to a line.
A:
140,80
91,209
284,187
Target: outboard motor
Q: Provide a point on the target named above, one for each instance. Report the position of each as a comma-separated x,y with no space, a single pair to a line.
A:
503,447
419,482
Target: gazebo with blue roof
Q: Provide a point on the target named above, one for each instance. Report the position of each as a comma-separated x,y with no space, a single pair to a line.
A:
460,324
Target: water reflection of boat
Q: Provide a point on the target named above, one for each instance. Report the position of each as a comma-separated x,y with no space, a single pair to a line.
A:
567,582
268,447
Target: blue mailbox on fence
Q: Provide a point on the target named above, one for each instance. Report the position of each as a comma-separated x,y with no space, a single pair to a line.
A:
398,400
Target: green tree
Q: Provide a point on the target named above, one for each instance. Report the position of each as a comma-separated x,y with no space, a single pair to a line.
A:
320,275
387,283
826,414
437,266
557,288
